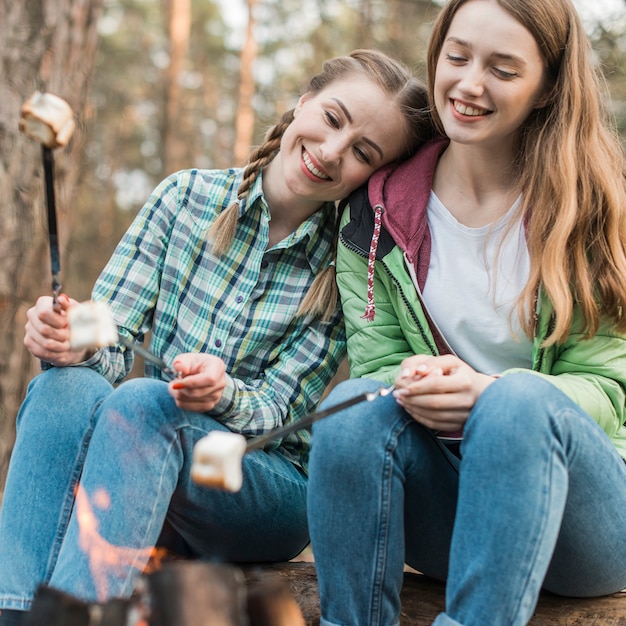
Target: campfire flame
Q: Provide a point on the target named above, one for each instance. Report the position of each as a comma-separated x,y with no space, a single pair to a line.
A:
105,559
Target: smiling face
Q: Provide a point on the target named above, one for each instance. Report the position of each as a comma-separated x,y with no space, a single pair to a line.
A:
489,76
338,138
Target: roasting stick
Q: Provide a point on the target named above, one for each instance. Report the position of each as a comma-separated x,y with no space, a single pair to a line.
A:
258,443
49,120
218,457
148,356
55,257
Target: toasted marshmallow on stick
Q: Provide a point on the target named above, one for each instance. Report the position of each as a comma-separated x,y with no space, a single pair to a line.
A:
217,460
91,325
48,119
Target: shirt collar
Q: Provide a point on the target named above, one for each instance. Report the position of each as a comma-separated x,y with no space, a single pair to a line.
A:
316,232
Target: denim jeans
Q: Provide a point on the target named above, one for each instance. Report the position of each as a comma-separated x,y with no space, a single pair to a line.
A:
129,450
538,500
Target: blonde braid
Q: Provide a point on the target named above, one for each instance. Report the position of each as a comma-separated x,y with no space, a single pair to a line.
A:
323,295
223,229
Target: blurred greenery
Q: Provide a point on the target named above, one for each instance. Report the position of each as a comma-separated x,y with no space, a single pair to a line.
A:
123,157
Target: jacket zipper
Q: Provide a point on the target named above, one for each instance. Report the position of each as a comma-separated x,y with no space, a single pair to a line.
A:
542,351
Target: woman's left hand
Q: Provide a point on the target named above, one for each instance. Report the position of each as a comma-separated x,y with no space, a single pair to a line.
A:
202,383
439,392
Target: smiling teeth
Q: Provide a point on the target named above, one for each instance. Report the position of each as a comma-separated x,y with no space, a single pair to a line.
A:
465,110
312,168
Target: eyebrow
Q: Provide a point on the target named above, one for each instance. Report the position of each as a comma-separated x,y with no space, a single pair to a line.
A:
374,145
498,55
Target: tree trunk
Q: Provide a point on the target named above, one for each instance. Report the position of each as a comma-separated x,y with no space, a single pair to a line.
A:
49,45
244,125
174,143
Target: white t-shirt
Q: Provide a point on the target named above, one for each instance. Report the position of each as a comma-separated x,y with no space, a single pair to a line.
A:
469,297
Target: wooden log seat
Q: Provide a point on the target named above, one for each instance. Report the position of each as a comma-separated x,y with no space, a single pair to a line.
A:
423,598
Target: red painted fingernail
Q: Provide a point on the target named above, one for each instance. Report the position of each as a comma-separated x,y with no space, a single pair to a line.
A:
178,385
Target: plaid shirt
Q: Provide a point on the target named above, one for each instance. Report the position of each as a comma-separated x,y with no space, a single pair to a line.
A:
242,307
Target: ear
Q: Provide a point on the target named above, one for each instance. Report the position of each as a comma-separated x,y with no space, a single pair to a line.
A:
302,100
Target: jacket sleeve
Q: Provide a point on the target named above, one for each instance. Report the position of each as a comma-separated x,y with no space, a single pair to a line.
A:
592,372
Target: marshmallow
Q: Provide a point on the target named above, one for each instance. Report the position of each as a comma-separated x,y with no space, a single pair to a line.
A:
47,119
91,325
217,460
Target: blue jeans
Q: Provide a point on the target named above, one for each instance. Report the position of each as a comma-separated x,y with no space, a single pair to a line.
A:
538,500
129,451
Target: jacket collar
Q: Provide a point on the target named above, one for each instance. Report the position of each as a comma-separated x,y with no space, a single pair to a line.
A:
403,192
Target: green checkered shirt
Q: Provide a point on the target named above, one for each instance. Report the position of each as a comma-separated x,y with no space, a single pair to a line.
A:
163,278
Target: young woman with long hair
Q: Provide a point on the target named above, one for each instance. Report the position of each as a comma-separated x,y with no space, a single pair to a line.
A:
485,278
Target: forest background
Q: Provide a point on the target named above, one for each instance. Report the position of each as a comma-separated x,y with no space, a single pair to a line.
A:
163,85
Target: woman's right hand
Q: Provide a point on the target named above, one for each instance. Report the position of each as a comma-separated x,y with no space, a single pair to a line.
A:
439,391
47,332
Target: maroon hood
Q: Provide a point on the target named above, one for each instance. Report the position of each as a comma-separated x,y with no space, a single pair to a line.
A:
403,191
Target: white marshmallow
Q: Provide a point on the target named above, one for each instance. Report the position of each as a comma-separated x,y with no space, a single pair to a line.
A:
91,325
217,460
47,119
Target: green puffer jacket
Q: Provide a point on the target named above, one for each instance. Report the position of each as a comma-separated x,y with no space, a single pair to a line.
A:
592,372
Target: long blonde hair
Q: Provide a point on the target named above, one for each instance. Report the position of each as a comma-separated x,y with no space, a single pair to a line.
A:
572,173
396,80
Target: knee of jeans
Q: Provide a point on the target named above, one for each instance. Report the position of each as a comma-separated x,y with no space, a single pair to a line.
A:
138,397
66,380
363,425
516,405
72,391
350,389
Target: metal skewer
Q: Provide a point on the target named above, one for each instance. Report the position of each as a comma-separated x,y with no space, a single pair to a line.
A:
258,443
55,257
148,356
49,120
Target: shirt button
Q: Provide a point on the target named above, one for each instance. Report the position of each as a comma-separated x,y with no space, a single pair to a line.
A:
239,299
218,343
264,263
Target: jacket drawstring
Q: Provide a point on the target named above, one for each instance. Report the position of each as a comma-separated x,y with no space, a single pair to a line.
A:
370,309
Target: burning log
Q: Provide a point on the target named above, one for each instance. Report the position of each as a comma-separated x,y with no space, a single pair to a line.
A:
182,593
271,603
195,593
55,608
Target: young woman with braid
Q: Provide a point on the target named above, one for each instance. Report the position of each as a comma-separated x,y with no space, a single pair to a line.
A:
216,265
